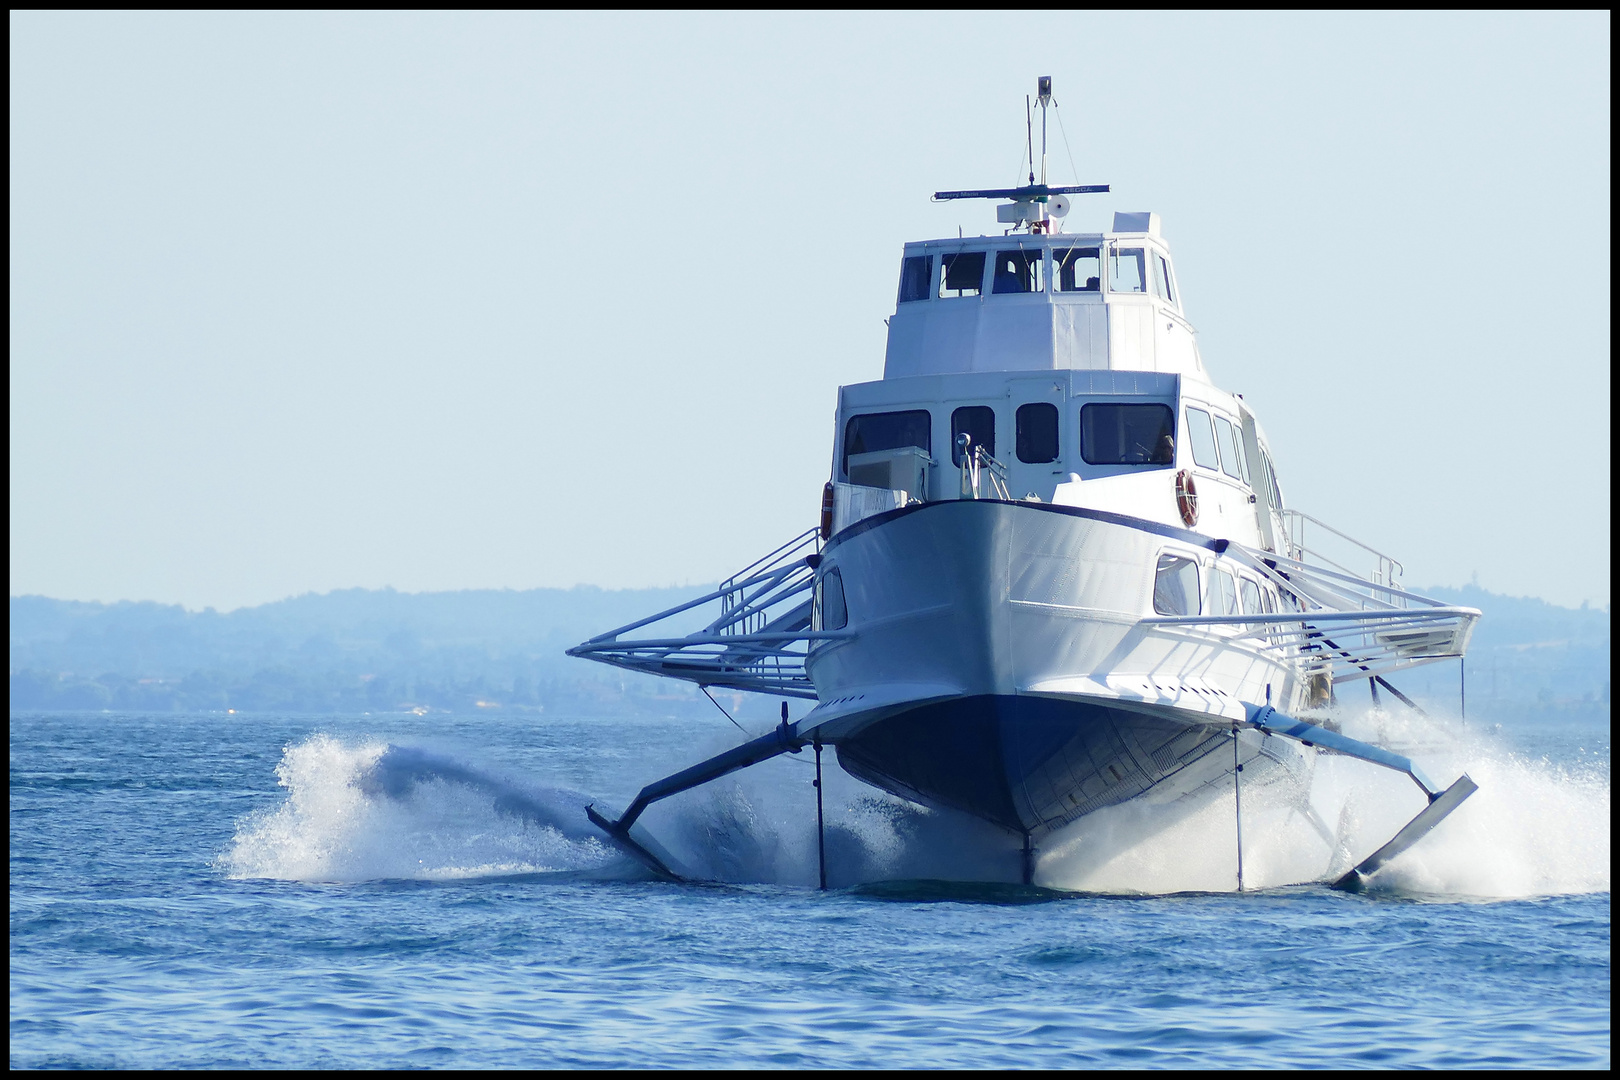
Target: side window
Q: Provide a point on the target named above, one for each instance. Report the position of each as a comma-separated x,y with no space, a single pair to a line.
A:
1262,480
1223,594
1019,272
914,278
1240,455
961,274
1175,586
1161,278
1127,270
886,431
1229,448
1127,434
1250,593
1276,488
830,612
1037,432
979,421
1076,270
1202,437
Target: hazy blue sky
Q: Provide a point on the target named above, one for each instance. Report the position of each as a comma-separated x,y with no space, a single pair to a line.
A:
301,302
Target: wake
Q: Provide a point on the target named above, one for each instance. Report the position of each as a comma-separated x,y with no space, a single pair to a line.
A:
368,810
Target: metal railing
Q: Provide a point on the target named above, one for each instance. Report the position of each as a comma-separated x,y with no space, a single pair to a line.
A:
980,470
1340,625
758,642
1386,570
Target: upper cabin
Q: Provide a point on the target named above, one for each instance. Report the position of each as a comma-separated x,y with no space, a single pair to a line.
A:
1042,300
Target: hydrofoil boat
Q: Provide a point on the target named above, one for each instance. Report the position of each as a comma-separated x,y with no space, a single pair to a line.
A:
1054,571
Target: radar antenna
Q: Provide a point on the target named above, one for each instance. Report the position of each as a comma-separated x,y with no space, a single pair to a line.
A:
1034,204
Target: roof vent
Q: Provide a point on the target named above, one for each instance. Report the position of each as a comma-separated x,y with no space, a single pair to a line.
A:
1137,223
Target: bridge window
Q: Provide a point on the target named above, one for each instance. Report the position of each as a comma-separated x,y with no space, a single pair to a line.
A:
1128,434
914,278
1037,432
886,431
1161,278
1175,586
1127,270
979,422
1019,272
1076,270
1227,437
961,274
1202,436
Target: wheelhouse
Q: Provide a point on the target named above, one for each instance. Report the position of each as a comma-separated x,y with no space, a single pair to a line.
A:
1041,300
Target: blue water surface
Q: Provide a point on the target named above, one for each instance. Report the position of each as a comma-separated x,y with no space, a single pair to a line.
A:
151,927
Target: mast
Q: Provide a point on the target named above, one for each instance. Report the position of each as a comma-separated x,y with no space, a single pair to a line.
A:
1043,91
1035,203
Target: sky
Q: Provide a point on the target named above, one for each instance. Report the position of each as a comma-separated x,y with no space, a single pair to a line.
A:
440,301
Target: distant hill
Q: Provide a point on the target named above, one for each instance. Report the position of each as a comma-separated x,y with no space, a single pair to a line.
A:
357,650
344,651
1526,656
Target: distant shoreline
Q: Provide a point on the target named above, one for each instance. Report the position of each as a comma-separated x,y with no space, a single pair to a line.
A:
502,653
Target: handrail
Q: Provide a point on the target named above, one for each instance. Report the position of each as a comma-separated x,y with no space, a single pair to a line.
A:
1346,626
977,464
759,642
1387,570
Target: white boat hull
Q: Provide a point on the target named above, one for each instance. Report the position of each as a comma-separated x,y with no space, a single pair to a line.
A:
999,665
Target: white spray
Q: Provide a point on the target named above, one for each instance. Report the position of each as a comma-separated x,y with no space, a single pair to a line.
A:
365,810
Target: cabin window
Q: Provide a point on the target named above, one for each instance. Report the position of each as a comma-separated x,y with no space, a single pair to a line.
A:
1175,586
1271,478
914,278
1127,434
1076,270
1223,597
830,612
1019,272
1161,278
1127,270
1202,437
1240,453
979,422
886,431
1227,437
1037,432
961,274
1251,596
1262,481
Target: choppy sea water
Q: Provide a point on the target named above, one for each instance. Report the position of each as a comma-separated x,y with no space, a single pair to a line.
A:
382,891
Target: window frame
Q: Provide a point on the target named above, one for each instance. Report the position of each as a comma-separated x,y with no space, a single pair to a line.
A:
1220,579
1035,259
818,620
941,272
849,422
928,278
1233,446
1187,409
1170,294
956,454
1114,250
1057,433
1197,594
1054,277
1170,410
